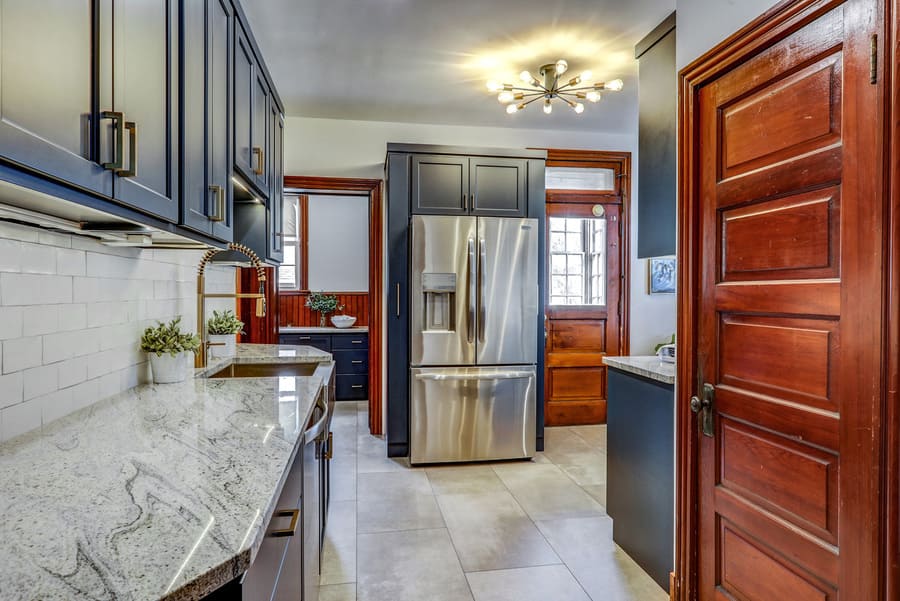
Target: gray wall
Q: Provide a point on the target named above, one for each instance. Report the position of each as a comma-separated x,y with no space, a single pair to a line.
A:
704,23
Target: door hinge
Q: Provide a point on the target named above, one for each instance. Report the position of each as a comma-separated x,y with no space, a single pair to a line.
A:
873,59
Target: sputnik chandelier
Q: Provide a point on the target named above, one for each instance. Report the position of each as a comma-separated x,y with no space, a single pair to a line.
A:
553,86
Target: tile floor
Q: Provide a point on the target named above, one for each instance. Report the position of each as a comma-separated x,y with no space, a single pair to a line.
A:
529,531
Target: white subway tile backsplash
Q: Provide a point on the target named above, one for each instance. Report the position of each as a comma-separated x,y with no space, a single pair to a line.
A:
71,315
11,391
34,289
21,353
10,322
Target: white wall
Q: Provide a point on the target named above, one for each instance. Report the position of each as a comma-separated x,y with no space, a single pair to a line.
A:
704,23
338,243
343,148
71,315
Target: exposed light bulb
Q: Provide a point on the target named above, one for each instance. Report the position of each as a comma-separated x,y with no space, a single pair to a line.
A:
548,108
512,108
614,85
593,96
505,97
579,108
526,77
561,66
494,86
586,75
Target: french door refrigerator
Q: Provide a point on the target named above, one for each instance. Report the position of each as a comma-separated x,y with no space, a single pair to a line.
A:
473,327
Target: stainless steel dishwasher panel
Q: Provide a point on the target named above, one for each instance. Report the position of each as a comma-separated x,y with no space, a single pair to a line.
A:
472,413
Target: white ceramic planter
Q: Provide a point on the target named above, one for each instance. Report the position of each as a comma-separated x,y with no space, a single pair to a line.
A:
343,321
222,351
168,369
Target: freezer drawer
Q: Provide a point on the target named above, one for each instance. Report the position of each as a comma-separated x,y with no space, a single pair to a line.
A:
472,413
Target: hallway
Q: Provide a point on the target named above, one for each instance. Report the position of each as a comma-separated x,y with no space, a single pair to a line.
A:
485,532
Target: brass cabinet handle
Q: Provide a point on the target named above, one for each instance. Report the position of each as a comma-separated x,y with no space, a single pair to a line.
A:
219,214
357,362
290,530
356,342
131,126
116,117
260,159
329,453
356,386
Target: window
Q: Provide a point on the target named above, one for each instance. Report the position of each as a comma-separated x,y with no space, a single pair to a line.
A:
289,271
579,178
577,261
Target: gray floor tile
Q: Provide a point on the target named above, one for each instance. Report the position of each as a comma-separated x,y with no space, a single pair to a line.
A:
343,480
598,492
416,565
396,501
546,493
544,583
491,532
563,447
591,472
593,435
460,480
372,456
604,570
339,550
338,592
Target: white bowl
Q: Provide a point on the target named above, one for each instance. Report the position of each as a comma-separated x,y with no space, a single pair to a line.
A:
343,321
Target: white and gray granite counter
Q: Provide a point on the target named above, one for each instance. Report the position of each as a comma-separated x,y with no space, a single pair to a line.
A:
646,366
318,330
160,492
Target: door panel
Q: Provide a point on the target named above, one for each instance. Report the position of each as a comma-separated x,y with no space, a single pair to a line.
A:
260,152
498,187
219,73
440,184
145,88
243,103
46,46
508,291
790,318
443,324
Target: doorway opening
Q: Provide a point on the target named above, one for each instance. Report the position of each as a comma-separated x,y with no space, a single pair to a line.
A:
587,266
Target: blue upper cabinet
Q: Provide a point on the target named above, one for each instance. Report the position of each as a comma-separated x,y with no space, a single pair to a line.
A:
657,138
143,110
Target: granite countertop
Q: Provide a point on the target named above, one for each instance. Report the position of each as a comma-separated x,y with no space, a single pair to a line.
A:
645,366
160,492
318,330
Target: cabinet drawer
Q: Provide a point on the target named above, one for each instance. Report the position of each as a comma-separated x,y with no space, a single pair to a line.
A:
321,342
350,342
352,387
351,362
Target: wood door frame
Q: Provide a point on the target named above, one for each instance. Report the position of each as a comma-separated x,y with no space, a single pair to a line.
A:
375,190
776,24
620,162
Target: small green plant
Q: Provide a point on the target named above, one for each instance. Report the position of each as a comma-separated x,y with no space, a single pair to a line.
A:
662,344
323,303
224,323
168,338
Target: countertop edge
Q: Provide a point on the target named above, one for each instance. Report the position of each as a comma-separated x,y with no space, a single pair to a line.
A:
649,367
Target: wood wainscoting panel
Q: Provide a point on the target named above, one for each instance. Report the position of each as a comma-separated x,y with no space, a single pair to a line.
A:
295,313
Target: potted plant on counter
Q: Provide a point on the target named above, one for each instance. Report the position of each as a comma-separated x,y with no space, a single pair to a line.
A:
222,328
323,304
169,349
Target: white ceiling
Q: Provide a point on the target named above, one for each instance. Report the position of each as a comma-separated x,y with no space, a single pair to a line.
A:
427,61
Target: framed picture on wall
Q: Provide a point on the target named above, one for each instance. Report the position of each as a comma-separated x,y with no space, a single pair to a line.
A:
662,275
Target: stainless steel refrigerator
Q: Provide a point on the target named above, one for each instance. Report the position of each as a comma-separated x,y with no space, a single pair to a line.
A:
473,330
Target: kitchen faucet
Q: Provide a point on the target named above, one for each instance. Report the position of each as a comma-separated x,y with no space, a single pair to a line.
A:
201,358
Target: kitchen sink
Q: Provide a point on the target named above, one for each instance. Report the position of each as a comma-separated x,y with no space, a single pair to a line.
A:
265,370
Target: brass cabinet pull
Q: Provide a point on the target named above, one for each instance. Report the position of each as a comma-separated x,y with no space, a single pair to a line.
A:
329,453
356,386
398,299
356,362
356,342
219,214
116,117
260,159
131,126
290,530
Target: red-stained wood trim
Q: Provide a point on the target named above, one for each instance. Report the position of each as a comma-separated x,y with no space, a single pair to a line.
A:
374,309
259,330
303,218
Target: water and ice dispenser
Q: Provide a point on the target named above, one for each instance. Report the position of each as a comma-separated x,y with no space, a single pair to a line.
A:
440,301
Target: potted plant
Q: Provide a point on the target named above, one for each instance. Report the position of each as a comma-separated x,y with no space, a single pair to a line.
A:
323,304
222,328
169,348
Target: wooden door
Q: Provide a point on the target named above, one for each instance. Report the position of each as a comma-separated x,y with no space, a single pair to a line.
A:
498,186
440,185
581,331
145,91
789,315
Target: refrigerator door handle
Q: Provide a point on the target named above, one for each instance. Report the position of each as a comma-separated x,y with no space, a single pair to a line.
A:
507,375
482,304
471,275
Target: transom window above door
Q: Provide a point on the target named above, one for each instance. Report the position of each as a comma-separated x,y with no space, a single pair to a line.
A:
577,261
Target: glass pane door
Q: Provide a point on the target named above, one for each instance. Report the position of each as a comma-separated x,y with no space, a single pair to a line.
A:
577,261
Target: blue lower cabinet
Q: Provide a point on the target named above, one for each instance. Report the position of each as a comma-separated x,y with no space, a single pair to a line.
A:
351,360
